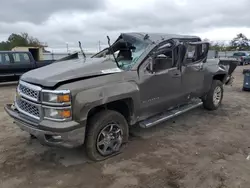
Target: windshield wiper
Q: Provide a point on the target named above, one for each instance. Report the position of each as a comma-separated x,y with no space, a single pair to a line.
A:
111,50
80,46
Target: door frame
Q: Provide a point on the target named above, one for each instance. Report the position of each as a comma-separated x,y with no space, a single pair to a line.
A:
174,73
196,65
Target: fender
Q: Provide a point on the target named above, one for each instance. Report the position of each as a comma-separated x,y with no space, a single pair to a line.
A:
219,69
94,97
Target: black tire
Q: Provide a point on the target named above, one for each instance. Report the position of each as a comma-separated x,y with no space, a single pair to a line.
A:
208,101
96,124
245,89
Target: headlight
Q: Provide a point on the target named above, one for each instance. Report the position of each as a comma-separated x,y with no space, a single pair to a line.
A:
56,97
57,114
56,105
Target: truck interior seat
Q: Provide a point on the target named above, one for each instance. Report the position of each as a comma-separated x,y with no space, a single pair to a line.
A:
125,54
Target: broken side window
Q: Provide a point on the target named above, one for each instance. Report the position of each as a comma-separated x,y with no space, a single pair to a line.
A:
165,58
195,53
190,54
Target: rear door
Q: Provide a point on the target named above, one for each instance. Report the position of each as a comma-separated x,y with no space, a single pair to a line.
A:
193,73
22,63
6,73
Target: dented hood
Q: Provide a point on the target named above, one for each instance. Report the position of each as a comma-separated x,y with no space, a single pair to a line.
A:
55,73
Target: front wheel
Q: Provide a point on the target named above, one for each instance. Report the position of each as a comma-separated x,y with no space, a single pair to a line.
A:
106,133
214,97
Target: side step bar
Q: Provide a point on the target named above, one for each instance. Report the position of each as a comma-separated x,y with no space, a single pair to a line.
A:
169,114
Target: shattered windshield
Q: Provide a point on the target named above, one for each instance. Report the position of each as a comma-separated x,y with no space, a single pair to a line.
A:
127,60
127,50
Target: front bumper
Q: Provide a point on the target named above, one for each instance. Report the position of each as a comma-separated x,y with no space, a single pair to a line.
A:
62,134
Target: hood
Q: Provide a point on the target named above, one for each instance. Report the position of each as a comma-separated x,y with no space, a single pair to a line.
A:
50,75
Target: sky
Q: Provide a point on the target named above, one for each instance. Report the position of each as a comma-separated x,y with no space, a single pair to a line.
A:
64,22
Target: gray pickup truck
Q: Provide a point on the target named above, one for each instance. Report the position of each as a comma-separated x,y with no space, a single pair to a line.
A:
141,79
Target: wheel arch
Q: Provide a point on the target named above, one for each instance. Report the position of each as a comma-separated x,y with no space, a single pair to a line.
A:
221,77
124,106
123,97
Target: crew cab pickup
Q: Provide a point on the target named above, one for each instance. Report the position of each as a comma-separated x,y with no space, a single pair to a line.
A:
141,79
14,64
243,57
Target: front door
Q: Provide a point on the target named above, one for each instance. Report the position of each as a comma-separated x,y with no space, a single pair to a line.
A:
21,63
160,89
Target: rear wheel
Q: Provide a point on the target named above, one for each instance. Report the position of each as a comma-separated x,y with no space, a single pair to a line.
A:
214,97
108,130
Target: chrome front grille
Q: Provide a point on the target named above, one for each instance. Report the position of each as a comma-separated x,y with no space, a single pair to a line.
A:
29,91
28,108
27,100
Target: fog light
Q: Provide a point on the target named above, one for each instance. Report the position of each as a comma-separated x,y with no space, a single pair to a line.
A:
56,137
53,138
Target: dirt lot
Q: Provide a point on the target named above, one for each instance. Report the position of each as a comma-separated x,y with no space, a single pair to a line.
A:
198,149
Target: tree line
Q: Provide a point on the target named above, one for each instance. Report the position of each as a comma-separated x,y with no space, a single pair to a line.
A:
240,42
22,39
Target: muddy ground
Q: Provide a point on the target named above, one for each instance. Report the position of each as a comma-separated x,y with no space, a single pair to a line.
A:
198,149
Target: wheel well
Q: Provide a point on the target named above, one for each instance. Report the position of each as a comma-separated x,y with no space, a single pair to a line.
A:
220,77
124,106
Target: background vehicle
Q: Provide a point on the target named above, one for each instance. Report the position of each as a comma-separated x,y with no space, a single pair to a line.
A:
243,57
153,78
14,64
